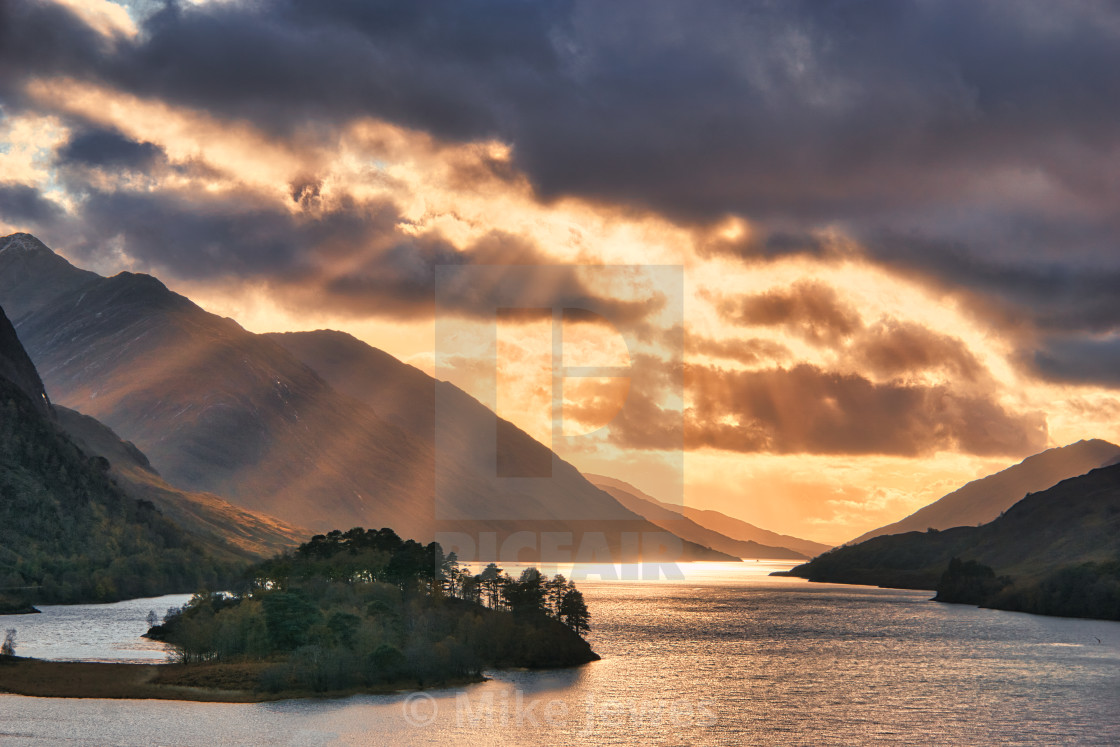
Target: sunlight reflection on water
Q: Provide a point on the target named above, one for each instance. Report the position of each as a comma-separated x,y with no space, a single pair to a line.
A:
728,655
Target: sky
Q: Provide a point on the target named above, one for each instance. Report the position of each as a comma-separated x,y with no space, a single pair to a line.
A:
896,224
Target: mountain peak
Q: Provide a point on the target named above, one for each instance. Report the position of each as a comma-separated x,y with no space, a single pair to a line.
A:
31,275
23,243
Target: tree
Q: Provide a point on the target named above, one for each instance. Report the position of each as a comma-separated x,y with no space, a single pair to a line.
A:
152,618
9,646
573,612
491,581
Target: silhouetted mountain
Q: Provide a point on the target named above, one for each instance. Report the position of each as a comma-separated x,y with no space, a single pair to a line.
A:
734,529
982,500
670,518
220,410
1054,552
17,369
68,533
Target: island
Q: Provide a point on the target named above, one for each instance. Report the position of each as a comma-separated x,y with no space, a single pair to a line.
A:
361,611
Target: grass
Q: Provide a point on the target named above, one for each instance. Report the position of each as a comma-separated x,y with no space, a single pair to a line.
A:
236,682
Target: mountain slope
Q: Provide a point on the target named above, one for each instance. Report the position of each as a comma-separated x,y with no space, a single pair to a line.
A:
17,369
723,525
673,521
220,410
982,500
67,532
222,528
1039,540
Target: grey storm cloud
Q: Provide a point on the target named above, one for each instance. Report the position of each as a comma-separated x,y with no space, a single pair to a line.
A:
810,109
19,202
108,148
1078,360
390,272
971,142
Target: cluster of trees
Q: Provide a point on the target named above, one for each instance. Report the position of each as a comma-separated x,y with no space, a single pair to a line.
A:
1086,590
969,582
362,608
68,534
368,555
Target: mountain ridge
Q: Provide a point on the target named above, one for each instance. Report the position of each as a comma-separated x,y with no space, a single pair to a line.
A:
982,500
728,526
220,410
672,520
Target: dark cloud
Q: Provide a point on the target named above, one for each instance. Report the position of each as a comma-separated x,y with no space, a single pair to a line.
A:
807,410
810,109
1078,361
99,147
968,141
809,309
22,204
388,271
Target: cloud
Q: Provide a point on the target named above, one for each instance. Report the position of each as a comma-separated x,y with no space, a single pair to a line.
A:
20,203
805,409
101,147
895,348
748,352
810,109
1094,361
809,309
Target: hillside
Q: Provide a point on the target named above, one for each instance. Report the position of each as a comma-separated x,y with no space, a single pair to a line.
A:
1032,554
982,500
721,524
67,532
673,521
222,528
220,410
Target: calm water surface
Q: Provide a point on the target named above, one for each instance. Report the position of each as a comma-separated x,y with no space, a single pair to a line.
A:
726,656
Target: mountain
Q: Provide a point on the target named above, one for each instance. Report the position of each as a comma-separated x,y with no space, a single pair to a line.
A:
68,533
220,410
17,370
1053,552
222,528
670,519
722,524
407,397
982,500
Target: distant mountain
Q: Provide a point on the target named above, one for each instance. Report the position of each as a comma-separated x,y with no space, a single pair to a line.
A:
67,532
673,521
723,524
982,500
1054,552
406,397
220,410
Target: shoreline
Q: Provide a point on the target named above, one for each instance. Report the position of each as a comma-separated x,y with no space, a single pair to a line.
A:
202,683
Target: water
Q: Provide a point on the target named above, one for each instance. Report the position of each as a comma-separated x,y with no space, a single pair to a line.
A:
93,632
727,656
